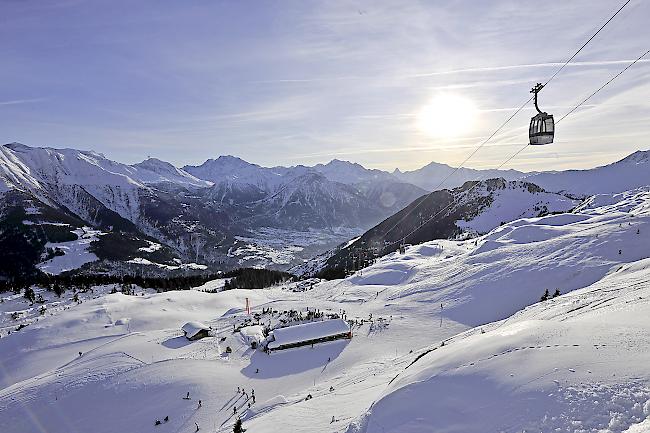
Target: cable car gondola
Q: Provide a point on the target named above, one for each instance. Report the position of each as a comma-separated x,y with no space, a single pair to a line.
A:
542,125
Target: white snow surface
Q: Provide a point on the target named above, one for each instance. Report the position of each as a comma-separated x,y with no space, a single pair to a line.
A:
76,253
576,363
513,203
631,172
307,331
48,172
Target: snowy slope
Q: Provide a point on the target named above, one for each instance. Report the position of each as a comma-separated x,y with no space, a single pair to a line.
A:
471,209
153,171
514,201
630,172
351,173
53,174
577,363
135,365
76,253
433,174
236,171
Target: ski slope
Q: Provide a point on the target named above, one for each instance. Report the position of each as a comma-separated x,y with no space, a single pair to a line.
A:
575,363
480,296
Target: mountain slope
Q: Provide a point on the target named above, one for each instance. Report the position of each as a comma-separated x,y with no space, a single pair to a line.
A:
630,172
573,363
392,375
466,210
431,175
215,219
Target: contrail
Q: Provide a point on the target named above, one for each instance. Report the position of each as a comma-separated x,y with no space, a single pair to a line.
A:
454,71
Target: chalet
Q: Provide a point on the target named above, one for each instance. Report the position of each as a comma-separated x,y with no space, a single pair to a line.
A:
308,334
195,330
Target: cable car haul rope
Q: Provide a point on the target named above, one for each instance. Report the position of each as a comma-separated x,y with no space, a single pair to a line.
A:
510,158
538,127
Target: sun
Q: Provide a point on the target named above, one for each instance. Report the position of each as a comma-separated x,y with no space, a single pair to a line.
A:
447,116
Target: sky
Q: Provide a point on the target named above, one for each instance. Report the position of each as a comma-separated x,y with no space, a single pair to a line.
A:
303,82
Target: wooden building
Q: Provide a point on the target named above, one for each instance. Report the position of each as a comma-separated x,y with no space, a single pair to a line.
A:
195,330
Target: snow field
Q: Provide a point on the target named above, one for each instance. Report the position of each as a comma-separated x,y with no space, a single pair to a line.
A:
576,363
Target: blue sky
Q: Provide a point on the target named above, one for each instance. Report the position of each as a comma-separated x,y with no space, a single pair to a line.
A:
301,82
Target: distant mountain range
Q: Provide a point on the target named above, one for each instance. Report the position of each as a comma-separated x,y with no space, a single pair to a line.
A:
222,214
473,208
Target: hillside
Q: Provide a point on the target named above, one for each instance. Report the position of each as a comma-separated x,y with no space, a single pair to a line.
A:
227,213
219,219
134,356
573,363
433,174
447,214
631,172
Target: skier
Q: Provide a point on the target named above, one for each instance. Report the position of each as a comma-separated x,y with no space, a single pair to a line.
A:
199,407
197,426
166,418
234,410
333,419
187,397
253,397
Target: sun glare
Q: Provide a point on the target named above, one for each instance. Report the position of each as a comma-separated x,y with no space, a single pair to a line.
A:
447,116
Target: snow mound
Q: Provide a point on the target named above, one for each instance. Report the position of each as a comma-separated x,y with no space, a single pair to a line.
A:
577,363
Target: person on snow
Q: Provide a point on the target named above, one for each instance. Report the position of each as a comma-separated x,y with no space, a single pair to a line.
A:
197,426
166,418
199,406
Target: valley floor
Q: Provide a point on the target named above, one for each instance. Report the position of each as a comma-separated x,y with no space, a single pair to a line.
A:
574,363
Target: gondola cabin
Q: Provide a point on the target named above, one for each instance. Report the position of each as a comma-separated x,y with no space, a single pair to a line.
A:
542,125
542,129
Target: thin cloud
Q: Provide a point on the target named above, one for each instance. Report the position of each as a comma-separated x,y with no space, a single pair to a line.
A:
21,101
456,72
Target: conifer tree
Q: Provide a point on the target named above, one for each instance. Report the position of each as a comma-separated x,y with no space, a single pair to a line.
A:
544,296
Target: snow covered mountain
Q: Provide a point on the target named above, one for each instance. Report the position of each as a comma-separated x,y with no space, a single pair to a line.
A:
468,210
202,218
576,362
631,172
431,175
228,213
351,173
